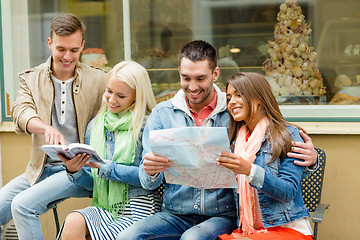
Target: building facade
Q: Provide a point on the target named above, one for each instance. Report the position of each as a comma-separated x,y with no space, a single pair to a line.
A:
318,46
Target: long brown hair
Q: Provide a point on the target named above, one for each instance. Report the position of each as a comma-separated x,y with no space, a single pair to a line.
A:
254,87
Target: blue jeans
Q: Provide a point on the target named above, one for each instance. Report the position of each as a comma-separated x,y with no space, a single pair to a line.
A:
168,226
25,203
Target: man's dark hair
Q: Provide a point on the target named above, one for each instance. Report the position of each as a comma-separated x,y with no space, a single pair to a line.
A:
66,24
199,50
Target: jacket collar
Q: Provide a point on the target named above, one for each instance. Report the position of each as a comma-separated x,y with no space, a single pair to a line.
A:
49,70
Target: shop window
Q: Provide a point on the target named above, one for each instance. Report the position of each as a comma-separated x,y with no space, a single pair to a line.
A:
8,86
325,72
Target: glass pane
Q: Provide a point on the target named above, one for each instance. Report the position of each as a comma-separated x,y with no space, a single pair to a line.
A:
158,31
244,33
103,20
254,35
323,36
104,29
339,60
15,50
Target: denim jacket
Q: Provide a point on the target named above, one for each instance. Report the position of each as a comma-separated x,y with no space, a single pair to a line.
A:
180,199
111,170
279,185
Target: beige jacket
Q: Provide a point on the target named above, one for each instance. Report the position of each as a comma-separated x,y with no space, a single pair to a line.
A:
36,99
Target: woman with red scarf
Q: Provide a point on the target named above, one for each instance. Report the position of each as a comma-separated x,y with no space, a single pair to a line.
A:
269,183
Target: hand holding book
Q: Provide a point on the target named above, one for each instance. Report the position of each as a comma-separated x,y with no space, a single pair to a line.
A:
75,164
74,156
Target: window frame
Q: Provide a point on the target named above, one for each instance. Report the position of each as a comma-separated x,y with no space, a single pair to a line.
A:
321,113
3,116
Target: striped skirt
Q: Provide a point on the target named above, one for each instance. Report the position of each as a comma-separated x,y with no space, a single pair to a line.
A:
103,227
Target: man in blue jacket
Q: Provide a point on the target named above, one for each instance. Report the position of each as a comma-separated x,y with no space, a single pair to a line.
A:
187,212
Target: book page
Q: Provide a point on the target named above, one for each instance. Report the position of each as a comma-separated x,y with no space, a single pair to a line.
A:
79,148
52,150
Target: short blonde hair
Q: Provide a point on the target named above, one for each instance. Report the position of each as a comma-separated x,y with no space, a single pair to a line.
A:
137,78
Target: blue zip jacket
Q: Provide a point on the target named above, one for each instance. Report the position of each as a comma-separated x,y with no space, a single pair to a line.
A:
179,199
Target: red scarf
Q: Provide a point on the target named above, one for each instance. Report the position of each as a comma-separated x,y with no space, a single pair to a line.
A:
250,215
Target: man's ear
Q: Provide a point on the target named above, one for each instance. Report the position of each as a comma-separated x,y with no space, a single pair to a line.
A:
216,74
49,43
82,45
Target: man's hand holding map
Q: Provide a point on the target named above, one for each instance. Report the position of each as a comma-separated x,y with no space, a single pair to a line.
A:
193,152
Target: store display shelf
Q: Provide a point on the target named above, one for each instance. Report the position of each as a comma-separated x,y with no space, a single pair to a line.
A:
299,100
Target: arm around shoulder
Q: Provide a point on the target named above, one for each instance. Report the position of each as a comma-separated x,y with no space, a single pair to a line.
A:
303,150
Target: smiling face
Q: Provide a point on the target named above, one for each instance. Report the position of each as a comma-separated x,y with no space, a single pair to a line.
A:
119,95
239,108
236,104
196,79
66,53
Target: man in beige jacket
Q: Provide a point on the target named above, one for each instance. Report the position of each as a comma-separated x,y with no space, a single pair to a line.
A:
55,102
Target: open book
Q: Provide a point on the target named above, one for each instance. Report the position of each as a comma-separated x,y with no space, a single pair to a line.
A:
71,151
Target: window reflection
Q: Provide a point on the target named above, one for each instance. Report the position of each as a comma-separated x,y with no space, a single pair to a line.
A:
240,30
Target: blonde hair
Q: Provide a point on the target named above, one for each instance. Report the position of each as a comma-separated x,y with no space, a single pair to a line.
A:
254,87
137,78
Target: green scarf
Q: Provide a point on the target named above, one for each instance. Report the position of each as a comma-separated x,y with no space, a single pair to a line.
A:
110,195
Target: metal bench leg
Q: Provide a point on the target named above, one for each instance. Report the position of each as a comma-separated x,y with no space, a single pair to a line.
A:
56,219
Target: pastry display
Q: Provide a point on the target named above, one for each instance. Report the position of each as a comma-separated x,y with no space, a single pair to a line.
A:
165,91
344,99
342,81
352,50
94,57
348,92
292,69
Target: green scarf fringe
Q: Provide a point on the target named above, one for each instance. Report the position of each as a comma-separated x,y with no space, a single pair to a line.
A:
110,195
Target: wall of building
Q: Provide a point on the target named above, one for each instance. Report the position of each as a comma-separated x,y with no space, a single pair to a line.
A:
15,154
341,187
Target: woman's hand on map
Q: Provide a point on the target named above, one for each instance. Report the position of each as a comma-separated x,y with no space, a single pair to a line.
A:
234,163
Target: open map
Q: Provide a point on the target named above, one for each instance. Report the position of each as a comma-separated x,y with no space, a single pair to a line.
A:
193,152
